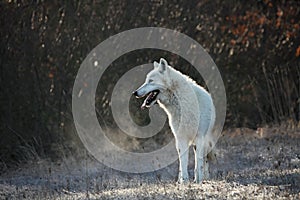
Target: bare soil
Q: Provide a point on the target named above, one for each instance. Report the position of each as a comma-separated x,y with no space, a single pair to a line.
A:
251,164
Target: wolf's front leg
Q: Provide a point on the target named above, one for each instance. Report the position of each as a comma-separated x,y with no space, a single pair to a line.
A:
183,153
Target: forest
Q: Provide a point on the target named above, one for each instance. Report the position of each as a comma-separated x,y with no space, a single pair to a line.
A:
255,45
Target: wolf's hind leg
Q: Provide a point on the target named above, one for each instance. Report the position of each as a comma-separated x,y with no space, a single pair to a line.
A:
199,162
206,174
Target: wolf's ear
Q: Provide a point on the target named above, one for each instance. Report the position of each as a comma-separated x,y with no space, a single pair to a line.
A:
162,61
163,65
156,65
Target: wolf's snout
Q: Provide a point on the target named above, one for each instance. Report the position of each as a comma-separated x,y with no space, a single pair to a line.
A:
135,93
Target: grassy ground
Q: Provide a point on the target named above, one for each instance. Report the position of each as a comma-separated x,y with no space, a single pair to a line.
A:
251,164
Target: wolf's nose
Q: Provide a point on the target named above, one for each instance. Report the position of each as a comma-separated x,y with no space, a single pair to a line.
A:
135,93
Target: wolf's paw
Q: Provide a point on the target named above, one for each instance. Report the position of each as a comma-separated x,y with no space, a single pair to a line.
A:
198,180
183,180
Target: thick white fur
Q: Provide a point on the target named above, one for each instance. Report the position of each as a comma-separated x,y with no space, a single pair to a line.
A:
175,98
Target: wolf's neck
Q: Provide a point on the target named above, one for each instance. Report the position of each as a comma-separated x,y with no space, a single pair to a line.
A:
172,108
179,94
171,104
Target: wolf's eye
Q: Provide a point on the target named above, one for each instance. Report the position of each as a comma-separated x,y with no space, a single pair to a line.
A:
150,80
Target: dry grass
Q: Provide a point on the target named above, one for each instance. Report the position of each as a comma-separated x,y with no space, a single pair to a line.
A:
262,164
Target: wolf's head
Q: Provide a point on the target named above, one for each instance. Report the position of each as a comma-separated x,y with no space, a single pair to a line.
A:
156,83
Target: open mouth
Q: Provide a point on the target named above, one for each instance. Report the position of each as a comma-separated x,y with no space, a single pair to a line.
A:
150,99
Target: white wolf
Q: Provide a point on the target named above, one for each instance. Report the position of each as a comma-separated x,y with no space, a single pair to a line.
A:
173,90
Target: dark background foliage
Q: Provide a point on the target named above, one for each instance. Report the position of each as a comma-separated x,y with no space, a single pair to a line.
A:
255,44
